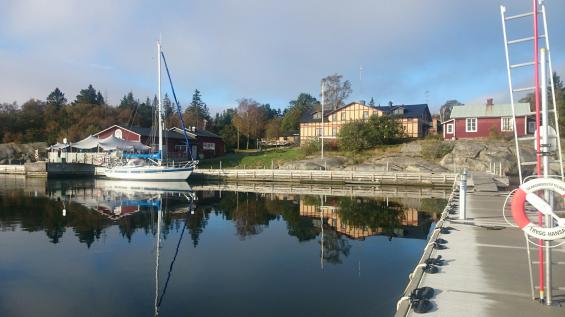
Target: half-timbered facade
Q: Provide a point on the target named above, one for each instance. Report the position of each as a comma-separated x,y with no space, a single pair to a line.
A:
415,119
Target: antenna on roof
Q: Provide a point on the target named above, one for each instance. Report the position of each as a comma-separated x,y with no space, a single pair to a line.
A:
361,82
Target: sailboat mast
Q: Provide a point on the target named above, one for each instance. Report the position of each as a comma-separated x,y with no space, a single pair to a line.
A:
160,104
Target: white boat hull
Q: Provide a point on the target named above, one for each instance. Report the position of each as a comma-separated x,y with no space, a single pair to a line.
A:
150,173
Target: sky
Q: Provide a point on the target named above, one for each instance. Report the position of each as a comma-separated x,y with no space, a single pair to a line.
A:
410,51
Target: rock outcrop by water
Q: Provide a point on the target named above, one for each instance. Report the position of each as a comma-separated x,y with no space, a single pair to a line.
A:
475,155
12,153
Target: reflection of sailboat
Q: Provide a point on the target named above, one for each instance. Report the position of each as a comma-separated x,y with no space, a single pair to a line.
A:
116,199
159,299
147,187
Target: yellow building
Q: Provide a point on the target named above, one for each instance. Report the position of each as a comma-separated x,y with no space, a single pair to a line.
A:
415,119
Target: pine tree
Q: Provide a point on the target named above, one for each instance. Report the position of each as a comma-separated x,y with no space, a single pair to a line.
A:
197,114
88,96
56,98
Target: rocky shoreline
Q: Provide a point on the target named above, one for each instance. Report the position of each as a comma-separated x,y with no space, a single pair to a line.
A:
475,155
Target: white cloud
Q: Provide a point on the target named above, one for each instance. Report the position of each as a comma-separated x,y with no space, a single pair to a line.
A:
268,50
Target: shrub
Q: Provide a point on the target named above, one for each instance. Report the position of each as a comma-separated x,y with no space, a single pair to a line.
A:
360,135
311,147
435,149
493,134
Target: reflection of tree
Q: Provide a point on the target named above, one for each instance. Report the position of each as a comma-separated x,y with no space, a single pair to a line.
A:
299,226
433,205
370,214
335,246
247,210
196,223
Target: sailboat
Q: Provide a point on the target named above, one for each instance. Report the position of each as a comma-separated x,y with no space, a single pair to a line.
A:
150,167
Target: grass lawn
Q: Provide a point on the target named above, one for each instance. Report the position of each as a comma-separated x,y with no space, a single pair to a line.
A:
254,159
264,159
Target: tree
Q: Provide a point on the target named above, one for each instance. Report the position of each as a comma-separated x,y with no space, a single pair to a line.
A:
197,114
249,118
273,129
445,110
99,99
90,96
354,136
335,92
359,135
372,102
56,98
304,102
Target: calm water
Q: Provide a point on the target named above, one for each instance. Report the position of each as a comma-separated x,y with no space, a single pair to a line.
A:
226,254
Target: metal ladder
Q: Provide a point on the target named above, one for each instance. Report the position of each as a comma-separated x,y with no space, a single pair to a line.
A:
544,151
514,92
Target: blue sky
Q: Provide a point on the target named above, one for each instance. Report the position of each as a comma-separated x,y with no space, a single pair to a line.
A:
410,51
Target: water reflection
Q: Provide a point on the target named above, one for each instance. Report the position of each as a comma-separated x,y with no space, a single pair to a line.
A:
282,225
92,206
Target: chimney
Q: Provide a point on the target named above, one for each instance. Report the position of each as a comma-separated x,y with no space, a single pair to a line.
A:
490,103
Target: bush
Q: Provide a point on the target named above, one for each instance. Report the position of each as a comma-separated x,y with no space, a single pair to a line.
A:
493,134
436,149
360,135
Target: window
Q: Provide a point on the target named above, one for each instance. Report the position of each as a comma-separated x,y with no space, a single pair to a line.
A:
449,128
343,116
507,124
531,126
317,115
471,125
334,131
365,114
318,131
334,117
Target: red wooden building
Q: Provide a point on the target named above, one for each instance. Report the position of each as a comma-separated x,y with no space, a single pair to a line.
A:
205,144
481,121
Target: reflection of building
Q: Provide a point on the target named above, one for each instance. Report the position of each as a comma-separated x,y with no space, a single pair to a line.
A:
409,218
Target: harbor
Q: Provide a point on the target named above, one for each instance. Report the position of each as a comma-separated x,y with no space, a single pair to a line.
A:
294,158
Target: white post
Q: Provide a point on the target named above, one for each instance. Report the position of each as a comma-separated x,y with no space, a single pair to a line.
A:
159,99
544,148
463,196
322,136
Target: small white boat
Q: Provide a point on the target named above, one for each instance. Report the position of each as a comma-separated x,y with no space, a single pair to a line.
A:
151,167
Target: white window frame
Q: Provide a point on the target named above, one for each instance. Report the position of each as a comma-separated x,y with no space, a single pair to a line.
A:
343,116
502,124
449,128
531,126
318,132
365,115
334,131
467,120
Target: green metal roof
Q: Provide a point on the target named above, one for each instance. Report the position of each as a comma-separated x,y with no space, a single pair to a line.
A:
496,110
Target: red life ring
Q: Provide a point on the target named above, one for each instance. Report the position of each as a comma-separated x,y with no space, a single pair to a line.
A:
527,192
